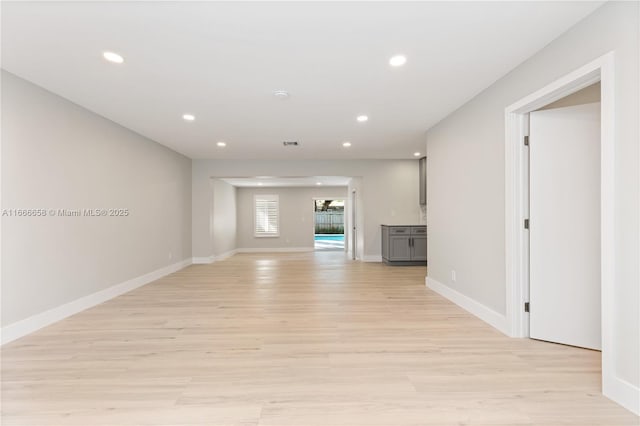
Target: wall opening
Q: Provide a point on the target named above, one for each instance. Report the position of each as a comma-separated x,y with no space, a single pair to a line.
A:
329,223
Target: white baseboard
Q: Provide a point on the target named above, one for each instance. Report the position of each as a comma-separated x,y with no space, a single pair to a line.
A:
203,260
26,326
214,258
226,255
372,258
623,393
274,250
486,314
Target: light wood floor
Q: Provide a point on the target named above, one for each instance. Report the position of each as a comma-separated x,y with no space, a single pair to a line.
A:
294,339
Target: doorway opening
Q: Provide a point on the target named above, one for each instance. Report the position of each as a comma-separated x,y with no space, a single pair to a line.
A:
354,233
328,227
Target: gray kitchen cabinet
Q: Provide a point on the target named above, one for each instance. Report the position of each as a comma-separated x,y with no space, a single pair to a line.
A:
404,245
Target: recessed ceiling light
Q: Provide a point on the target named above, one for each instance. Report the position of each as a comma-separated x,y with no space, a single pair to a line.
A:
260,183
113,57
188,117
281,94
362,118
416,154
221,144
346,144
318,183
398,61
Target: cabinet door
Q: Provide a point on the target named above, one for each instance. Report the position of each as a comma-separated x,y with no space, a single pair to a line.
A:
419,247
399,247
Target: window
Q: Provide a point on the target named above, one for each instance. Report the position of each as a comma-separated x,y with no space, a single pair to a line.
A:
267,217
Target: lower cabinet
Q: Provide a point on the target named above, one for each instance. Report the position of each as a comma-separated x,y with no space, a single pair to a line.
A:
404,245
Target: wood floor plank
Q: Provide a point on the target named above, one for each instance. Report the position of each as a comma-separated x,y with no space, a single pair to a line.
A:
294,339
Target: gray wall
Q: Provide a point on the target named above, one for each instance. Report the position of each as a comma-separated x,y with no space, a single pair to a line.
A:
388,192
466,174
296,216
58,155
223,220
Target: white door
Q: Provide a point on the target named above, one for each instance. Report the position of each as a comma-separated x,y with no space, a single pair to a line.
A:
564,233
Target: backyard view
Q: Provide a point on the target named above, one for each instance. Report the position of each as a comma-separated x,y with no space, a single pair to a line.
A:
329,224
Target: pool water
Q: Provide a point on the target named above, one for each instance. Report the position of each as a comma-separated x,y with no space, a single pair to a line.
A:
329,237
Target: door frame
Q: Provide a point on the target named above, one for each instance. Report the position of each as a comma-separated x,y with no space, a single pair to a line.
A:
516,199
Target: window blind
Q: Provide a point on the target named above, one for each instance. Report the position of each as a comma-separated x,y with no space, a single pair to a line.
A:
267,218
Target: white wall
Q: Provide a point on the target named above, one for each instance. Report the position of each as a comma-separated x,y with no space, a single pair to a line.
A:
296,216
223,221
466,174
389,192
58,155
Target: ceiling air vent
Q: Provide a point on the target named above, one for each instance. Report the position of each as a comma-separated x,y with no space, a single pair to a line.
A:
290,143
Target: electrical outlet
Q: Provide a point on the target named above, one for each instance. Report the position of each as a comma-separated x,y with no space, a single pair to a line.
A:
453,275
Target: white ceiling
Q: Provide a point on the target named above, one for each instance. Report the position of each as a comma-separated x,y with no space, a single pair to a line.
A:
222,61
275,181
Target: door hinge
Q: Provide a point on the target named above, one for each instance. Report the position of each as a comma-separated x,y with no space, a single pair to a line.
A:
526,224
526,306
526,141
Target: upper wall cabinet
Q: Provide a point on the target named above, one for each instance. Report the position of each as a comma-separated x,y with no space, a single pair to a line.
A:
423,181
